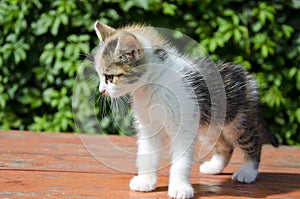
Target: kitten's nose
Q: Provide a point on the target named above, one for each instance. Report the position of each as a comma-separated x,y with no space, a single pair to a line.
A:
102,91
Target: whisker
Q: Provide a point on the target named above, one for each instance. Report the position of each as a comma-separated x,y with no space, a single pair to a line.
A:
121,107
98,98
126,98
103,105
87,57
92,96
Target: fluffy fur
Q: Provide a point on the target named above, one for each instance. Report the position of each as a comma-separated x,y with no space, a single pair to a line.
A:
176,96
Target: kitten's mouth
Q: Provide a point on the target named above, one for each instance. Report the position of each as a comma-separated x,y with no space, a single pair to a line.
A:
111,96
106,94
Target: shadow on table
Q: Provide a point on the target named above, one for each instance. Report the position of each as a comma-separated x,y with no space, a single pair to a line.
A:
267,184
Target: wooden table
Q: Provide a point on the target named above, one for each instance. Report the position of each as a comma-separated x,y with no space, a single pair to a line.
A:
48,165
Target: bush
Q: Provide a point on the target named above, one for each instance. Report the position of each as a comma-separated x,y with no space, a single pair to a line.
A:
43,44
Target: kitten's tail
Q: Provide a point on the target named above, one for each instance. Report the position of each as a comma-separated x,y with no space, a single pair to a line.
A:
268,136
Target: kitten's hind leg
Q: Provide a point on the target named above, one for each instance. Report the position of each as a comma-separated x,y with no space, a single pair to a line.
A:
251,146
221,157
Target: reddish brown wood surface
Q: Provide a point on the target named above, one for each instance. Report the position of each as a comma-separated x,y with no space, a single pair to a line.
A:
46,165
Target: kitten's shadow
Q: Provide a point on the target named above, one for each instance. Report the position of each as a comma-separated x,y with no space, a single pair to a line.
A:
161,189
267,184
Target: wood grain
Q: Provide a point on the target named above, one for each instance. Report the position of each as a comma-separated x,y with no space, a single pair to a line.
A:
49,165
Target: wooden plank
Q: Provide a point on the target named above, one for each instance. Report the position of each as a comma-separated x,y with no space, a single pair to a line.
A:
94,185
45,165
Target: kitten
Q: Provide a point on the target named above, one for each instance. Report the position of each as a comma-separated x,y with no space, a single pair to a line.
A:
165,87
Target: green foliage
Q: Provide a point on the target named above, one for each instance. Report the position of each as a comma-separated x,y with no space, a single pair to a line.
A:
43,44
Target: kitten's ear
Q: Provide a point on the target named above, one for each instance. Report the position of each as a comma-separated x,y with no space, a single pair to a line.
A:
129,46
103,31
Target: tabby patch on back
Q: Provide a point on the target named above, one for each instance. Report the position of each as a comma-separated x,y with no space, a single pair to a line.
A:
131,60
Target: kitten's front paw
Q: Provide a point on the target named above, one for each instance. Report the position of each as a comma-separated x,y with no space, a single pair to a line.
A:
144,183
181,190
246,174
211,167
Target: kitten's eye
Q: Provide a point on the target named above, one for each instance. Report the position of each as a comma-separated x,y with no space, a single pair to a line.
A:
109,78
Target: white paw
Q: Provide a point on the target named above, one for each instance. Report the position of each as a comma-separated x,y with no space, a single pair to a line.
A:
144,183
181,190
209,167
246,174
213,166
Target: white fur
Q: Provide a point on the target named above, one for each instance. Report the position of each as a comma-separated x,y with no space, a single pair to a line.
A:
143,182
180,129
180,190
214,166
246,174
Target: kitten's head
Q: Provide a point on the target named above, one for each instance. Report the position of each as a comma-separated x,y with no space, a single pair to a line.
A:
118,60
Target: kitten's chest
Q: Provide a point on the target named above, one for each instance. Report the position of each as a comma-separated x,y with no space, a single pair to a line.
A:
147,111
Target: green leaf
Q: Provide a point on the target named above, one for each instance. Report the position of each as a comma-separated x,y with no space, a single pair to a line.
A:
212,45
37,4
83,38
228,12
297,113
256,26
72,38
55,26
287,30
169,9
237,35
85,48
43,24
235,20
3,98
12,38
64,19
295,4
298,80
143,4
273,97
105,122
227,36
46,57
69,50
264,50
